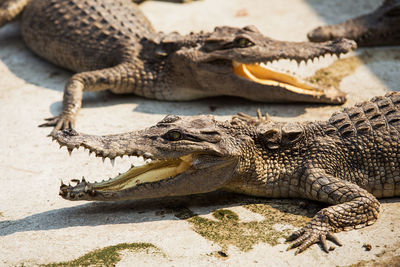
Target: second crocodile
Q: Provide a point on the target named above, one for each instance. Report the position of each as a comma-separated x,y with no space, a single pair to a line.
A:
112,45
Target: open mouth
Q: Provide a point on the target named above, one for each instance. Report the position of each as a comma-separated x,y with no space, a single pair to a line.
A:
263,75
151,172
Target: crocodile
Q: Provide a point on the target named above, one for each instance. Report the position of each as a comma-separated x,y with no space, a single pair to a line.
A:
378,28
346,162
110,44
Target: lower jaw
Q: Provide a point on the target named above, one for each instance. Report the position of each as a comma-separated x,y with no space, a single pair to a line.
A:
149,173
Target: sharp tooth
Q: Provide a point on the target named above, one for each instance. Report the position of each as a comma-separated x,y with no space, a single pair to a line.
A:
87,189
75,181
62,183
147,155
83,179
235,64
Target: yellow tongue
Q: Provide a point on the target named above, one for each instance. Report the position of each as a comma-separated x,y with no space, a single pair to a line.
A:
259,74
148,173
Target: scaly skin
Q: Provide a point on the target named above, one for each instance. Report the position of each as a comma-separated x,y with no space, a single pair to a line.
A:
378,28
347,162
111,45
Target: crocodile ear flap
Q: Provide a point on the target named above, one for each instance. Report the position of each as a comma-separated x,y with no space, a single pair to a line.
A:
291,133
272,138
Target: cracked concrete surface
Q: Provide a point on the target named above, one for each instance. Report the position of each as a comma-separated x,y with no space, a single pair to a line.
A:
38,227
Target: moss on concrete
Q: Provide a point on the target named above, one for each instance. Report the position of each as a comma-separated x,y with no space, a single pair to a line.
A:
108,256
332,75
227,229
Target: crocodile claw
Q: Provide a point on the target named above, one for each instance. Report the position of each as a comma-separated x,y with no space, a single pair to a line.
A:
61,122
314,232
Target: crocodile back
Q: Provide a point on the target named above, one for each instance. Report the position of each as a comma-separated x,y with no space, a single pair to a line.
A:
83,35
380,114
369,137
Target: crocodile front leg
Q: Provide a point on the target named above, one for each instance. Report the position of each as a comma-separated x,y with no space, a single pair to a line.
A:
355,208
116,78
10,9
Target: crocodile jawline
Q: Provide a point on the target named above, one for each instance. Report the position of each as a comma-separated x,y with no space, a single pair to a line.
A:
153,171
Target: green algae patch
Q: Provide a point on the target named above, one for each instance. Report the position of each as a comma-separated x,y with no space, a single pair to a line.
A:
108,256
227,229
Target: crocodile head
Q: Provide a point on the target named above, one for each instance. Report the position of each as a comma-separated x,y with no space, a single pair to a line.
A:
188,156
232,61
378,28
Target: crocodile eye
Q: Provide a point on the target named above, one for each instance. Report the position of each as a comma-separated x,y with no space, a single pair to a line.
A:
174,135
243,42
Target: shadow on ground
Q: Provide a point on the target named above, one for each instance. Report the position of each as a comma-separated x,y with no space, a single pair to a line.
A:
127,212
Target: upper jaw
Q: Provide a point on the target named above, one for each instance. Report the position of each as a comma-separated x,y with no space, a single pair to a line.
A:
276,50
111,146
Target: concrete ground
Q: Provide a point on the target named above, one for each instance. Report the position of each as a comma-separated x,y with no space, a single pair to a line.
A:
39,227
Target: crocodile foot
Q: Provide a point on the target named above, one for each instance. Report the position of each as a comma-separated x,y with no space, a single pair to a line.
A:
318,230
248,119
61,122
